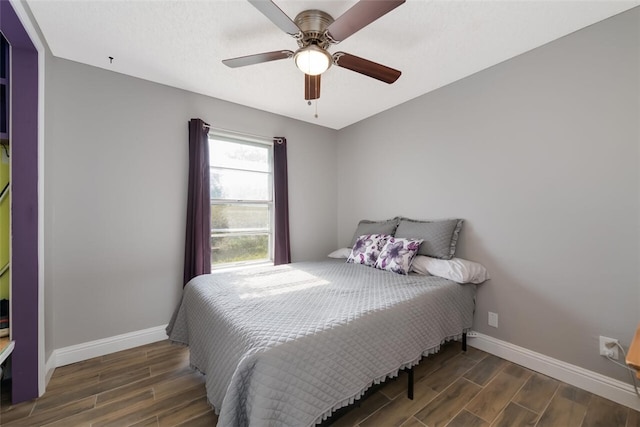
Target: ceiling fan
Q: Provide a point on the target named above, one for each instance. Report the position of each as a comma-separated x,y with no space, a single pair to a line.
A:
315,31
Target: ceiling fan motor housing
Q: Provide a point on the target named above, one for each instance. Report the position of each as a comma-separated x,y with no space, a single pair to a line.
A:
313,24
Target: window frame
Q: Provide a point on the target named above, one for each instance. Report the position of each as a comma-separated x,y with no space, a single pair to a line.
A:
256,142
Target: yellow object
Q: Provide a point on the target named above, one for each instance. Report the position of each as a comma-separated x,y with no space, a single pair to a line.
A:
633,357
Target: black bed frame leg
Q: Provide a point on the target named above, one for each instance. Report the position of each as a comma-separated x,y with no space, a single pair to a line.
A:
464,341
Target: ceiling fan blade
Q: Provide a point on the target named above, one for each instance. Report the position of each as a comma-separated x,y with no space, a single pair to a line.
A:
359,16
311,87
366,67
276,15
257,58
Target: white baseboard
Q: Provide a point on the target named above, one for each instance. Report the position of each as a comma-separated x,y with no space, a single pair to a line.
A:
609,388
49,367
77,353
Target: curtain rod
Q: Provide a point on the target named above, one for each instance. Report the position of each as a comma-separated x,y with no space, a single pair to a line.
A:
250,135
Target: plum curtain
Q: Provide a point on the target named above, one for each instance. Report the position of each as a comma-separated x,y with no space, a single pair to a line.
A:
197,253
282,249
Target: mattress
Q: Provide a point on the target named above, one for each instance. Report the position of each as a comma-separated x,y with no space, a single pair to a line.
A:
289,345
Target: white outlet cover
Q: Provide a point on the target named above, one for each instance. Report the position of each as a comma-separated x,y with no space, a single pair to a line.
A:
493,319
604,349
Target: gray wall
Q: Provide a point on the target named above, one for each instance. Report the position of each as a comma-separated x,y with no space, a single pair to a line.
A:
116,176
540,155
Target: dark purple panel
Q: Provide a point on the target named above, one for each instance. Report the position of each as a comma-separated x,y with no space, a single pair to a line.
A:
24,181
13,29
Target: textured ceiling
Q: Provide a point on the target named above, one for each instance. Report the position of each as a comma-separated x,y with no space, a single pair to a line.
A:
181,43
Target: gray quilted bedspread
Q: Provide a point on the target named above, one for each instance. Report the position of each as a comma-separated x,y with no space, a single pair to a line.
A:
288,345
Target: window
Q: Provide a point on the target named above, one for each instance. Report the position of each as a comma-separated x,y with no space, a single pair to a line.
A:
241,188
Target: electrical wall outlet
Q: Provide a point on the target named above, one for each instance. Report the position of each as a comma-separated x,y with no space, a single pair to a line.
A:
493,319
609,347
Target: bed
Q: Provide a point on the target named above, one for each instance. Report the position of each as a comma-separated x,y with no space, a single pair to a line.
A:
290,345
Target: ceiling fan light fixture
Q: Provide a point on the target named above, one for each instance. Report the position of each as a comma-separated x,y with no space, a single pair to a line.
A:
312,60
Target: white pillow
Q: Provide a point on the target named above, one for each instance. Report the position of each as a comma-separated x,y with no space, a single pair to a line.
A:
456,269
340,253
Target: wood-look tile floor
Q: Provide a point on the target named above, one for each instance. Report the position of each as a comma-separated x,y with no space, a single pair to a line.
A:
153,385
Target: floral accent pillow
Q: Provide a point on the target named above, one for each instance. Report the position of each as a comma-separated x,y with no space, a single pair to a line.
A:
397,254
367,248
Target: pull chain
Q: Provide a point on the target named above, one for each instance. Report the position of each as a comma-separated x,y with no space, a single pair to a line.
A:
309,103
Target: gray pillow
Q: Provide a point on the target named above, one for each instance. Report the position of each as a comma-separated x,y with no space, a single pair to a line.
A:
375,227
439,237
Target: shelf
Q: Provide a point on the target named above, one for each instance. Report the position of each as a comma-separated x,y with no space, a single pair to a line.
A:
6,347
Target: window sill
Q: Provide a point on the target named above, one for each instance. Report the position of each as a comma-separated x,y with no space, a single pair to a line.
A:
241,267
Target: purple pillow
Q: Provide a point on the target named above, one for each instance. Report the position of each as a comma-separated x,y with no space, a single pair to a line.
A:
397,254
367,248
